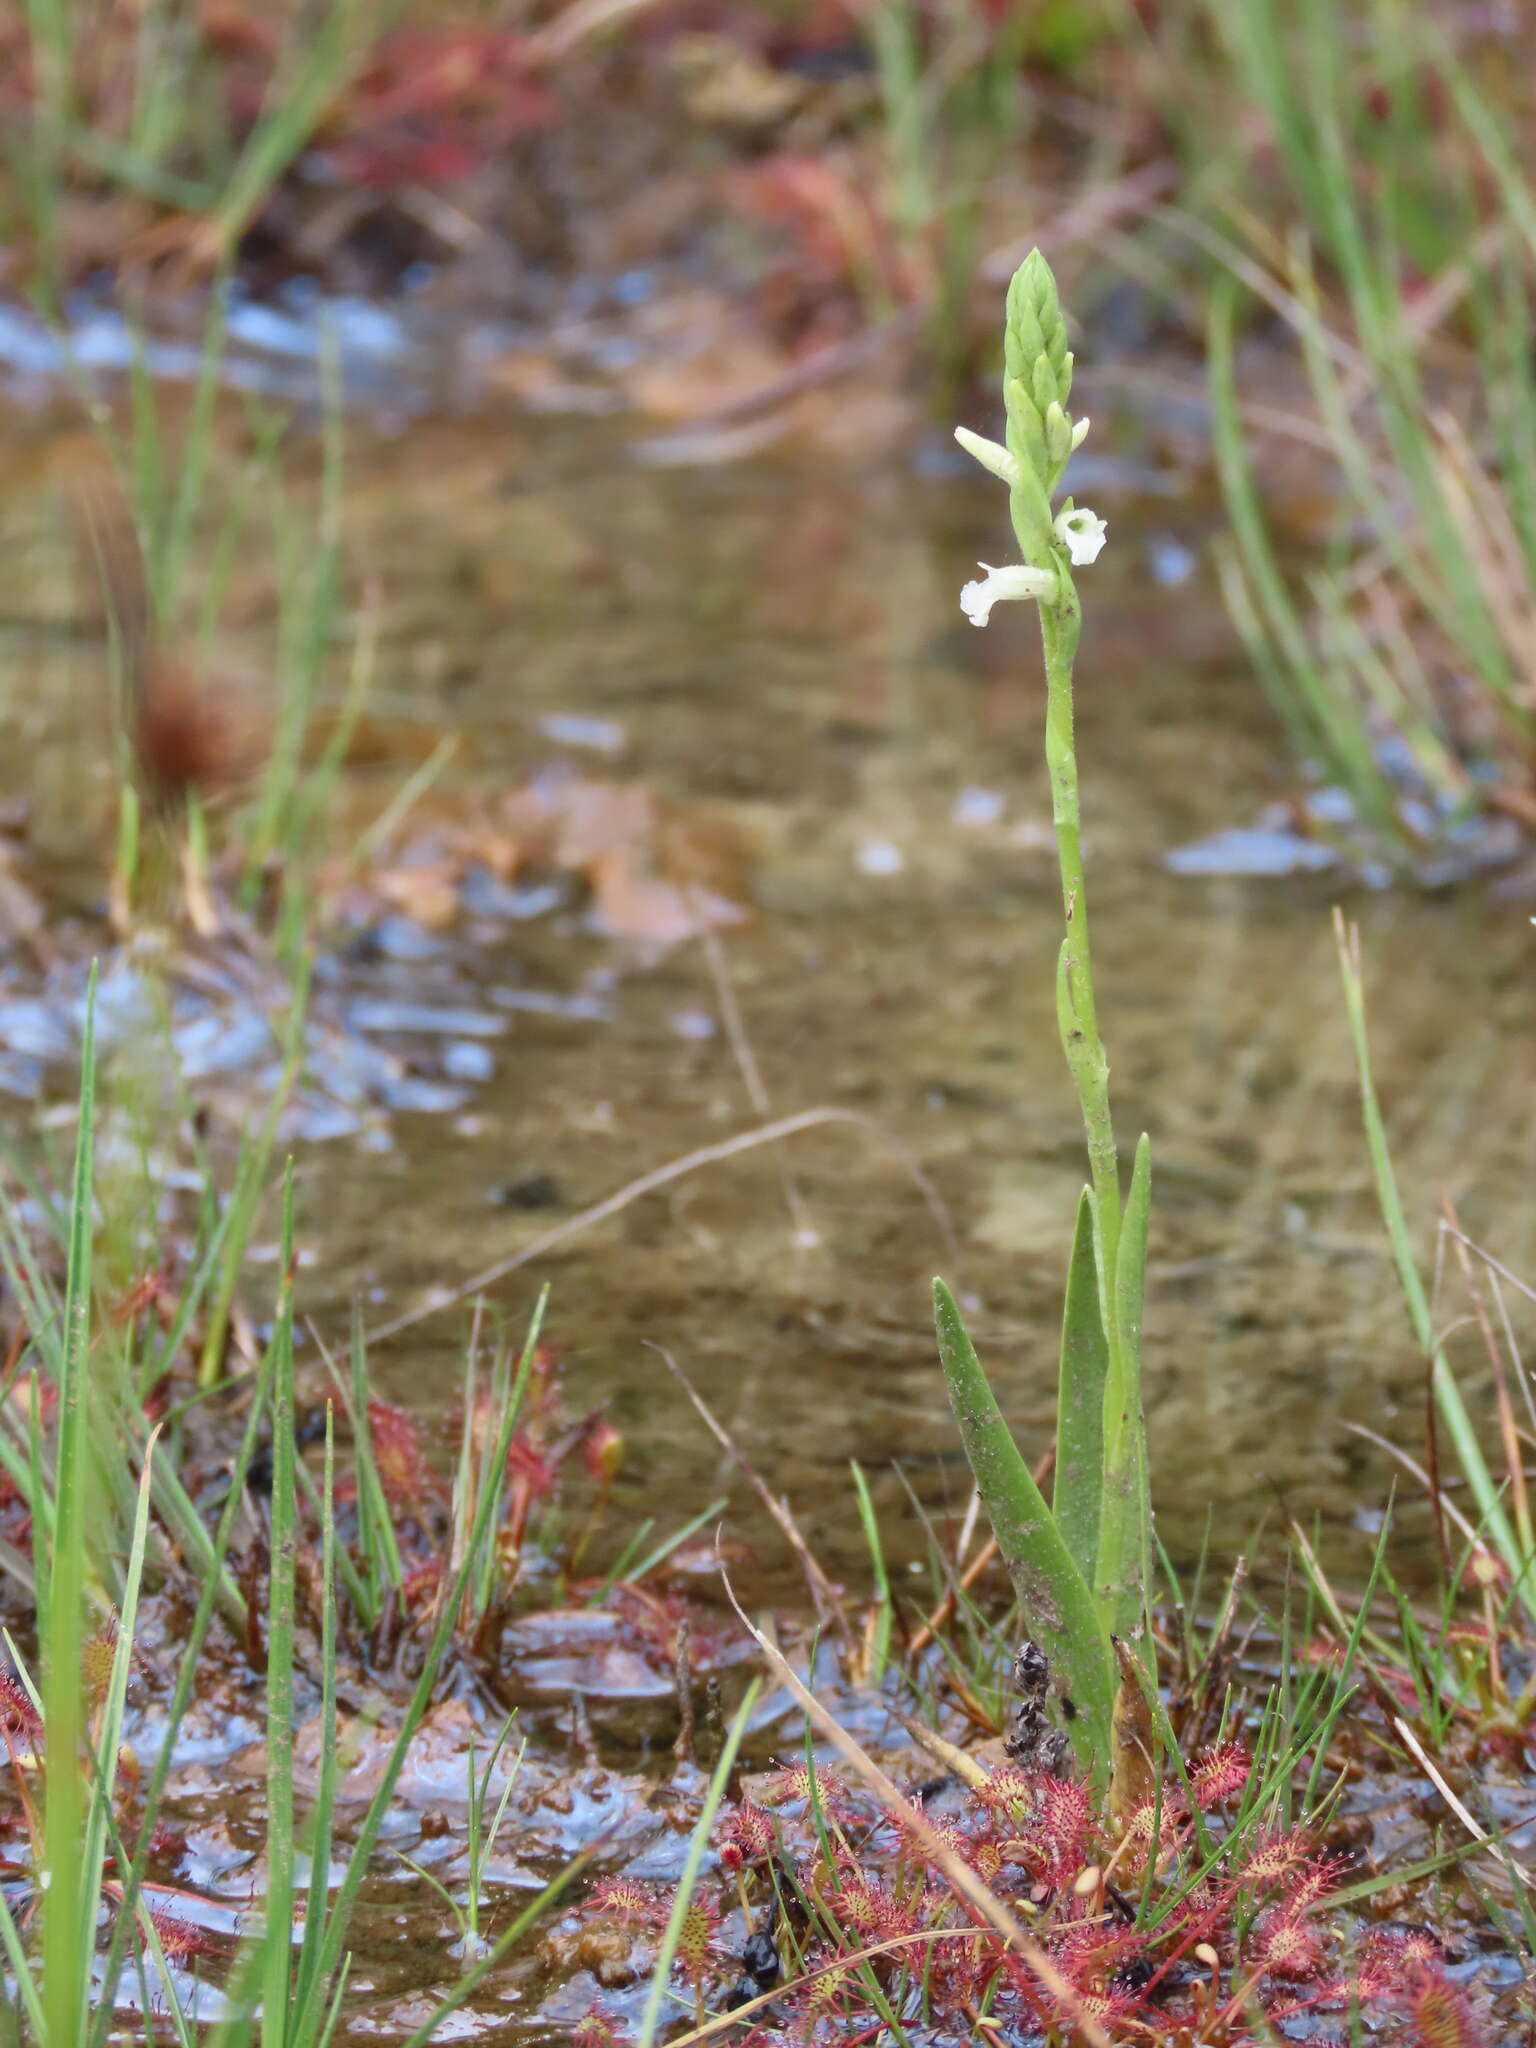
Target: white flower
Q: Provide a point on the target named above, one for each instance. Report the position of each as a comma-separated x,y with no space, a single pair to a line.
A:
1082,534
1017,580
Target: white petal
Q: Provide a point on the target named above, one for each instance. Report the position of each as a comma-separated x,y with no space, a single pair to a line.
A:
990,454
1082,533
1017,580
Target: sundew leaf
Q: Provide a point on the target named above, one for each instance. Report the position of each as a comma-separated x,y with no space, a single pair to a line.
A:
1061,1611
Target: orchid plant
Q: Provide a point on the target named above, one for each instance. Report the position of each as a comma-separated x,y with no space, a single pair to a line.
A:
1080,1564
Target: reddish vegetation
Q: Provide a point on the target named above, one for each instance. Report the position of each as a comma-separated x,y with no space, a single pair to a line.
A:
432,105
1157,1933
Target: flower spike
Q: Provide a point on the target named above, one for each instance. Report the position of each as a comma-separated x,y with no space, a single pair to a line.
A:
1042,435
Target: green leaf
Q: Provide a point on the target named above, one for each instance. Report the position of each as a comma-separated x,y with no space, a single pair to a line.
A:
1061,1612
1131,1264
1125,1516
1080,1401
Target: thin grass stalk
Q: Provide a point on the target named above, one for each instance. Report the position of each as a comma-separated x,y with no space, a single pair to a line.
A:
627,1570
376,1529
296,101
1448,1401
277,1909
177,516
208,1601
150,1942
878,1633
99,1822
1303,694
305,2020
485,1841
323,1810
68,1915
250,1180
693,1864
51,49
505,1941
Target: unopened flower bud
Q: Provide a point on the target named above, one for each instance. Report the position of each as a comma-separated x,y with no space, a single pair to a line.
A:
1058,433
991,455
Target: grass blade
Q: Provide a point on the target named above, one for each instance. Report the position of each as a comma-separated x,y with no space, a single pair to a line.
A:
277,1909
69,1916
1448,1399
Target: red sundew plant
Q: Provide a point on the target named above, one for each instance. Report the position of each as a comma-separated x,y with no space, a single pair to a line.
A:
401,1518
1171,1926
19,1718
181,1940
405,1472
596,2029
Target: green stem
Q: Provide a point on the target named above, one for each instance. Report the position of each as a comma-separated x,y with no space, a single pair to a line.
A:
1121,1574
1060,625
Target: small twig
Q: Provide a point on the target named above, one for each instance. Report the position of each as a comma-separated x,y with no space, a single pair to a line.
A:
946,1606
1437,1778
982,1902
823,1593
947,1755
805,1235
1514,1464
682,1680
663,1176
1412,1465
1084,219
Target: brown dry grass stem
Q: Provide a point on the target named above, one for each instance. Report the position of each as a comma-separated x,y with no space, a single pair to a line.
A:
824,1594
678,1169
963,1581
978,1899
803,1231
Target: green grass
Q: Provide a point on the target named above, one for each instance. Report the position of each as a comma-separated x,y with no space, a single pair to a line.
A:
173,137
101,1537
113,1522
1510,1538
1406,286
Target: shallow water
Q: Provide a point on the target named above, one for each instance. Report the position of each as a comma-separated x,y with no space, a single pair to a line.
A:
783,646
777,650
778,646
